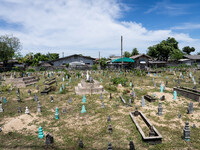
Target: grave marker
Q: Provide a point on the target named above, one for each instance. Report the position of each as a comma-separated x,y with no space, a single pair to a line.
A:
40,134
186,132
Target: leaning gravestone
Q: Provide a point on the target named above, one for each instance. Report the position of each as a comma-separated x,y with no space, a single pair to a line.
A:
143,101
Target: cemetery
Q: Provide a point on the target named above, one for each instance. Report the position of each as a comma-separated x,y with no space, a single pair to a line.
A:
89,109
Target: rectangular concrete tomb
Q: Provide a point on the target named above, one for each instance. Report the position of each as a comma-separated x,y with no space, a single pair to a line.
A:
156,139
50,81
46,90
149,98
188,92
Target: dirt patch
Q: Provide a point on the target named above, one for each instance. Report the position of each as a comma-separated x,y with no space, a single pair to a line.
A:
19,123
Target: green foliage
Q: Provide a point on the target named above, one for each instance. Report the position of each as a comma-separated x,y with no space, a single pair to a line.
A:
5,87
31,70
119,80
16,69
111,88
94,67
188,50
165,49
34,59
78,74
67,73
42,69
127,54
67,65
103,63
194,65
134,52
8,46
198,53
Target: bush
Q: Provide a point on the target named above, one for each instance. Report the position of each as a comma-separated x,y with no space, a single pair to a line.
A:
42,69
67,65
94,67
30,70
67,73
78,74
119,80
111,88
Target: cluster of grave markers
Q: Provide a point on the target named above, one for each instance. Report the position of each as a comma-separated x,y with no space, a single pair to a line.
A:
49,137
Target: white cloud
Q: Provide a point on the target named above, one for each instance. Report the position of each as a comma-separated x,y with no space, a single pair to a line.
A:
79,26
186,26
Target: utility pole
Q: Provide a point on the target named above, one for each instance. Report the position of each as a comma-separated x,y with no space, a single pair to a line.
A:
99,55
122,50
62,54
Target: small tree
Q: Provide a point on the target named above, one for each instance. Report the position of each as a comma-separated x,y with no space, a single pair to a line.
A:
134,52
103,63
188,50
8,46
127,54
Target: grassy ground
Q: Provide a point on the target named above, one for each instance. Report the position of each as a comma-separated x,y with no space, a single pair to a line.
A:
92,127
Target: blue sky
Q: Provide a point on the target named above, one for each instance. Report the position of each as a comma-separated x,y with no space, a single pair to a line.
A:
88,26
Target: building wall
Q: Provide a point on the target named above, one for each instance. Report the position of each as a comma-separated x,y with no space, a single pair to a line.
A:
137,62
73,59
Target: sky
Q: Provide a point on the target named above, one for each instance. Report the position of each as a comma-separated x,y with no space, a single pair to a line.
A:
91,26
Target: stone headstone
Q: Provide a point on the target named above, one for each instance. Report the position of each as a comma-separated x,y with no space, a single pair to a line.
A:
160,109
40,133
131,146
110,128
102,106
109,119
83,109
51,99
70,100
151,132
19,110
29,92
80,144
193,126
27,111
101,96
35,97
190,108
39,107
162,98
49,139
174,95
179,116
143,101
186,131
1,108
109,146
57,114
19,99
64,110
110,95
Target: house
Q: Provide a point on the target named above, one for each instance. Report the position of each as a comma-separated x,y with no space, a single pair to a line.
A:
70,59
141,61
193,59
157,63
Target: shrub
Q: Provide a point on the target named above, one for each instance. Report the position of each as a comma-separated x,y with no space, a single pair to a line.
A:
31,70
119,80
111,88
67,65
94,67
42,69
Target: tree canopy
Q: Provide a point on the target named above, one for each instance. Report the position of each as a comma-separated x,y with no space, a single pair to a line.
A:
9,45
165,49
127,54
134,52
188,50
